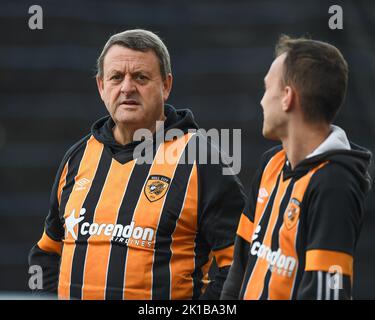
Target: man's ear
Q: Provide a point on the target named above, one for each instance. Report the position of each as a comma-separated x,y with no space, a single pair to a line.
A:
167,86
288,98
100,84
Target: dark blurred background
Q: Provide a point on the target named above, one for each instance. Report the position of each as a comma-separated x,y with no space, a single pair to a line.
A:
220,52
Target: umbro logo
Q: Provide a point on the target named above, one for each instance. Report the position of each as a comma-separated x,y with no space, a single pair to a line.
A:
262,195
81,184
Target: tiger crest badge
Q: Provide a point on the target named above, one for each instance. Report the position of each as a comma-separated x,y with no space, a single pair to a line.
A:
156,187
292,214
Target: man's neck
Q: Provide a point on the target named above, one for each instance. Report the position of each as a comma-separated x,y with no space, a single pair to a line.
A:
124,133
302,140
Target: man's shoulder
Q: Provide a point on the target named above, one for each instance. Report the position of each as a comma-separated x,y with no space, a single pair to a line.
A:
76,147
269,154
332,176
212,159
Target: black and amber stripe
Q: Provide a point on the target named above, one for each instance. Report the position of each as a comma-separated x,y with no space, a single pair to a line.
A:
183,244
116,265
146,214
324,260
270,181
260,281
275,244
281,287
99,246
84,167
49,245
91,203
256,281
165,244
46,243
97,266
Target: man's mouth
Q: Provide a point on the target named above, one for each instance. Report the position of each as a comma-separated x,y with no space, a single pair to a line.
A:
129,102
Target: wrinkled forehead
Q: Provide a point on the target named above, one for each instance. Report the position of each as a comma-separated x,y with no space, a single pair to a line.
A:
119,57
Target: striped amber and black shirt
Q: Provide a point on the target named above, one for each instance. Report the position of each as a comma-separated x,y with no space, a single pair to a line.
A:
122,229
296,238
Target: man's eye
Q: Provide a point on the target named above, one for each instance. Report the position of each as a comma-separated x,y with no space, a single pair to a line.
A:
141,77
116,77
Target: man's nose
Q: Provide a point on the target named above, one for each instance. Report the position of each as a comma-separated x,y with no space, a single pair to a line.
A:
127,85
262,101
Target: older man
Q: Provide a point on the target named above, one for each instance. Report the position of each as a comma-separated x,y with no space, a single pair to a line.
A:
122,228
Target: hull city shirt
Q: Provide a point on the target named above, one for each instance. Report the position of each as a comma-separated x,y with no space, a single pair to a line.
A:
119,229
297,236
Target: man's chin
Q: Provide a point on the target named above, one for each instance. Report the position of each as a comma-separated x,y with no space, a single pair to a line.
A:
127,117
270,135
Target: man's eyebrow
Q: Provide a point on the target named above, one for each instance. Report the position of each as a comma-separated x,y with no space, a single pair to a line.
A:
140,70
113,71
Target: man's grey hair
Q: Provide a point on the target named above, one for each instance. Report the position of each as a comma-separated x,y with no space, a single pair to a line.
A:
139,40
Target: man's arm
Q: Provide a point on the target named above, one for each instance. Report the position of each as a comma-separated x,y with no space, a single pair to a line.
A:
49,261
222,201
335,208
233,284
47,252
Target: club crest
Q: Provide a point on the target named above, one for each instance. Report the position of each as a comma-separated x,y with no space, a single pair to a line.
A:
156,187
292,213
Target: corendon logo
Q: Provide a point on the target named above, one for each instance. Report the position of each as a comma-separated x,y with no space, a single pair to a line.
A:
72,221
277,261
128,235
